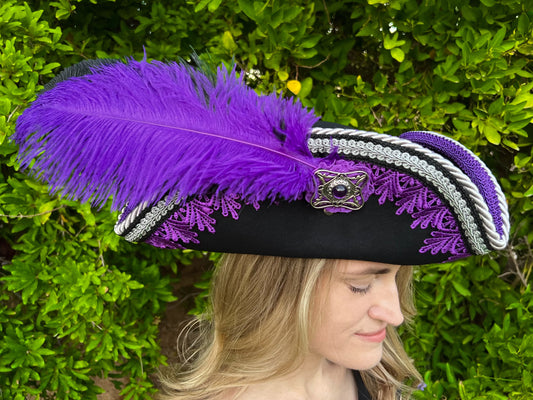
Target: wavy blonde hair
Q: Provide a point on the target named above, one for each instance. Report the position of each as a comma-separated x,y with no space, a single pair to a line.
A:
257,328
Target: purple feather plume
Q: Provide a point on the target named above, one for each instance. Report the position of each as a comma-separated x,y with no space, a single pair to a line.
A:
137,131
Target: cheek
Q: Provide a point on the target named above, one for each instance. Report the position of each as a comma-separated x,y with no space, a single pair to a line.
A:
336,321
321,327
336,314
322,337
335,340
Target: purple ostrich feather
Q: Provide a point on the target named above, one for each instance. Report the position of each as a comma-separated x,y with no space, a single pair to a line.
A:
137,131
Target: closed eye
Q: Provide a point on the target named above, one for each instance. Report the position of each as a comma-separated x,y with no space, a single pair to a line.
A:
360,290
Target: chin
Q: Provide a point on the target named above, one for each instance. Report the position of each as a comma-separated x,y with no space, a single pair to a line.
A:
365,360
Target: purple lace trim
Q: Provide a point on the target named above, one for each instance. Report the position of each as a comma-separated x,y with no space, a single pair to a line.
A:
407,193
195,214
427,210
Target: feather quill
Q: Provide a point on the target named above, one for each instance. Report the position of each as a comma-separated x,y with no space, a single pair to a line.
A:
137,131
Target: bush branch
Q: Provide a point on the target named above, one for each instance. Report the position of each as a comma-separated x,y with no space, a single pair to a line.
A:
19,216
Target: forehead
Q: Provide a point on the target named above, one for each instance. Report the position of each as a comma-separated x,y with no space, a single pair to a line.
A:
358,268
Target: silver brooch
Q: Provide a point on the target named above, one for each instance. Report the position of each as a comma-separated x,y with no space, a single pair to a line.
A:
339,189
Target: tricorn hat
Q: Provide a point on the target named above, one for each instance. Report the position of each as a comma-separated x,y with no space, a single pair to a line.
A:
196,159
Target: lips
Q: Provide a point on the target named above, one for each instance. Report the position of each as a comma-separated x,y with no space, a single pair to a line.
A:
378,336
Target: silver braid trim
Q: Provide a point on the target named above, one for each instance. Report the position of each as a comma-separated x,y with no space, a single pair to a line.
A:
422,168
156,213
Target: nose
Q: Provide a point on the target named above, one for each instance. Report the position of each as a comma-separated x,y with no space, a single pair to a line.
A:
386,307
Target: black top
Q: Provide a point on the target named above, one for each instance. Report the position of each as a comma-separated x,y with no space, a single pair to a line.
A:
362,392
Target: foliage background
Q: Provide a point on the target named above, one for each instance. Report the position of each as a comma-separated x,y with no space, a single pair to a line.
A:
76,302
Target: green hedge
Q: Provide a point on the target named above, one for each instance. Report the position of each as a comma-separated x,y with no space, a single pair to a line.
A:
77,302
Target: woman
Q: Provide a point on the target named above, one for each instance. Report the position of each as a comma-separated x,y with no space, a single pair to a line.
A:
319,321
199,160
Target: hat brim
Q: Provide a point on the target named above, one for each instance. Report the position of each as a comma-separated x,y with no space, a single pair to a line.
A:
296,229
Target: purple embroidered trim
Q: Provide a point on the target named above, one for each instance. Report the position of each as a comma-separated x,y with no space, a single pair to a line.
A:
466,162
407,193
195,214
411,196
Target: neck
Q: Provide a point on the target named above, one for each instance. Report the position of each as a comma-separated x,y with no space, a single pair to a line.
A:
316,378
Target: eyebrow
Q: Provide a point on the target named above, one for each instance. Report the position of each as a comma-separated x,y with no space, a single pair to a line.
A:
369,271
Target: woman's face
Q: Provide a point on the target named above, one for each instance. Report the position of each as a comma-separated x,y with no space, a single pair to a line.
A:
351,310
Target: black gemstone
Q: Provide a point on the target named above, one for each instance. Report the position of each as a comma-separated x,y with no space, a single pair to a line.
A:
339,191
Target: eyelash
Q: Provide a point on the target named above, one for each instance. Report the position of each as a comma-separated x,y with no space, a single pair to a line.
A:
359,290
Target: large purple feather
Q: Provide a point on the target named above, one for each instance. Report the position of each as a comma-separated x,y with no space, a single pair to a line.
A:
137,131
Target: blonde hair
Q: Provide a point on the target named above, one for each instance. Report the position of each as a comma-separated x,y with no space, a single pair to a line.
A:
257,329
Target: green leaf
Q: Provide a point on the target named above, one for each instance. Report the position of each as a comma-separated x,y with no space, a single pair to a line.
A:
397,54
201,5
228,42
492,135
283,75
496,106
521,160
454,108
135,285
273,60
481,273
5,106
307,86
390,42
523,23
469,13
506,322
514,126
499,36
511,144
311,41
80,364
450,375
405,65
213,5
461,289
247,6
